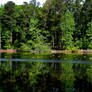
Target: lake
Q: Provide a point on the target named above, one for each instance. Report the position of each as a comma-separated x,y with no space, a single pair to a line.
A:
37,72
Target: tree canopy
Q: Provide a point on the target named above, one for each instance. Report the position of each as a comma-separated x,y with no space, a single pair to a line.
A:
59,24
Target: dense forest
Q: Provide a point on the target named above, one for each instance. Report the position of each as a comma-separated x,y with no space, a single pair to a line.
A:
59,24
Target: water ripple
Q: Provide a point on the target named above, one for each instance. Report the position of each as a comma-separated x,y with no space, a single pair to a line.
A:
50,61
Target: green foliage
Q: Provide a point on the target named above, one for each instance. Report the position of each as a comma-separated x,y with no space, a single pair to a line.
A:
78,44
36,39
84,43
67,28
8,23
25,47
59,24
89,35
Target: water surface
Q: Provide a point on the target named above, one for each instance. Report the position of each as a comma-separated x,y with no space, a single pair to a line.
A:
27,72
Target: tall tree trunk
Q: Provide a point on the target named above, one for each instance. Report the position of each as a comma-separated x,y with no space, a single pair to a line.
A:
0,34
34,8
53,40
0,39
11,40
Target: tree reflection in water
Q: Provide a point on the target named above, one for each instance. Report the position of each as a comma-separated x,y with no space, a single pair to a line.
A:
45,77
24,79
82,84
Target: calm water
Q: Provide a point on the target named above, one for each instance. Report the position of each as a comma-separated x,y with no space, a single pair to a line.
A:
26,72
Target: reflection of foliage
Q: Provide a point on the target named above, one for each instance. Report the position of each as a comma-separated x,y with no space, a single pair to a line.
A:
67,76
89,73
44,77
80,69
49,82
23,75
82,84
37,68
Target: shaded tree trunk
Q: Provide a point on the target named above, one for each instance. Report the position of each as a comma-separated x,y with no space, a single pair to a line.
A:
0,40
11,40
0,34
53,41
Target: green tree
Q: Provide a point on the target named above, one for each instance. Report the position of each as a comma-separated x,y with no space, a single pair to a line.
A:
67,28
1,12
54,11
36,41
9,23
77,8
89,35
86,16
65,24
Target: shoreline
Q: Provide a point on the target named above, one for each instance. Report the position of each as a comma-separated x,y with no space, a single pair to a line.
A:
52,51
72,51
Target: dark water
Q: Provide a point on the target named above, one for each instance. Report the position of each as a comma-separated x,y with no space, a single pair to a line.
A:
26,72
